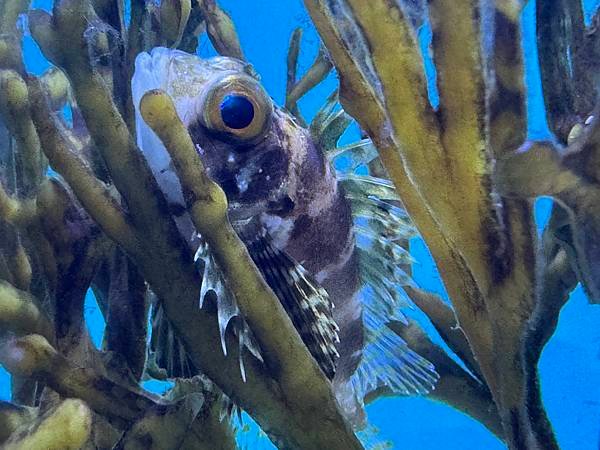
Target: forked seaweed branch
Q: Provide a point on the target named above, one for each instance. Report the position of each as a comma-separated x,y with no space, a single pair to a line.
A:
464,171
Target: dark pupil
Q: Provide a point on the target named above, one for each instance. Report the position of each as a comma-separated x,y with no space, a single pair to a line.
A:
237,111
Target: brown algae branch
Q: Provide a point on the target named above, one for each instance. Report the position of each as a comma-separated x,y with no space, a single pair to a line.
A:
15,266
292,67
56,86
67,426
65,158
32,356
16,212
14,108
174,15
316,73
444,320
221,30
303,384
126,311
19,313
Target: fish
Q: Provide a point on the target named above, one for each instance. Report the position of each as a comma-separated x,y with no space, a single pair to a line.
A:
327,242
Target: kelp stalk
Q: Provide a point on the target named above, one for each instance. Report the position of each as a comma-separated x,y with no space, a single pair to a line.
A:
441,163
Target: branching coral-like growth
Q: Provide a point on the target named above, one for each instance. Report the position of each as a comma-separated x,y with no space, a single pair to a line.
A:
464,171
114,199
466,174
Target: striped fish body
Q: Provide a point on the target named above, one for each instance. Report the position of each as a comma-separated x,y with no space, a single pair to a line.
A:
285,184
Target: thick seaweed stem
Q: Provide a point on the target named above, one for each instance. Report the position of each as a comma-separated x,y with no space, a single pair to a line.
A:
67,426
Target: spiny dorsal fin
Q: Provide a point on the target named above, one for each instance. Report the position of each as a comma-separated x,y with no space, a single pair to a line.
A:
307,304
167,350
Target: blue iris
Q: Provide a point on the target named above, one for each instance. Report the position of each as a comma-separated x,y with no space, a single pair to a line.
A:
237,111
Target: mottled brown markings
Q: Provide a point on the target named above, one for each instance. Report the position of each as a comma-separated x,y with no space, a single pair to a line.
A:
303,222
507,102
282,208
309,239
498,245
271,154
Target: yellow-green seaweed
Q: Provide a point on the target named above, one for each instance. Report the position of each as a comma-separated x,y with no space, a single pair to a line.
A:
464,172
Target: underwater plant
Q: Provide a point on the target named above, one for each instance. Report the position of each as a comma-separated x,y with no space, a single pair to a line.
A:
179,194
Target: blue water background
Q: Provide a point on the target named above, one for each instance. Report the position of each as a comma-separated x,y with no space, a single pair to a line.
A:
570,364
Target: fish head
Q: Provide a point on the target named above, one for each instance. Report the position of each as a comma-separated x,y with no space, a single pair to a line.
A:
263,160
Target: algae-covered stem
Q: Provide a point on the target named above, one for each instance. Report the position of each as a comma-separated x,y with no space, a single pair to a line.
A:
166,264
440,162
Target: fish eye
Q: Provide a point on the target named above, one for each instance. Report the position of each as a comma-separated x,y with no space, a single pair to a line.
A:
237,111
235,107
